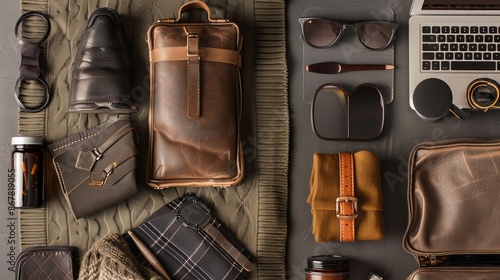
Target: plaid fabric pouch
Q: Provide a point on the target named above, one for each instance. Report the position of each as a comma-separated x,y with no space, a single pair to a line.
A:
190,243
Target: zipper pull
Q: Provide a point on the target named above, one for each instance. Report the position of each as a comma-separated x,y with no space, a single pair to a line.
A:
433,260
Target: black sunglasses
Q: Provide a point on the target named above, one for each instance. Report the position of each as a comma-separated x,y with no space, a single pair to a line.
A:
339,115
323,33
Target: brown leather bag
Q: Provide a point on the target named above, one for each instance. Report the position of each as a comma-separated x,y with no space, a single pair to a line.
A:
453,210
194,117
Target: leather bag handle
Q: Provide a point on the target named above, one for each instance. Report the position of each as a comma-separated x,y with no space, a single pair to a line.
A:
194,5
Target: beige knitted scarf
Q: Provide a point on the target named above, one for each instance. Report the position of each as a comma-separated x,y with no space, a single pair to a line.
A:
110,258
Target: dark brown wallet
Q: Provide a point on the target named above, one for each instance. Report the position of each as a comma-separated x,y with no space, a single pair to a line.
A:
96,167
46,262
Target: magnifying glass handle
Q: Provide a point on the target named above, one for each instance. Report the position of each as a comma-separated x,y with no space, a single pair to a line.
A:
459,113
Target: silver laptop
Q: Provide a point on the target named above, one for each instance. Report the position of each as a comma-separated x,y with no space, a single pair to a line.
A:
456,41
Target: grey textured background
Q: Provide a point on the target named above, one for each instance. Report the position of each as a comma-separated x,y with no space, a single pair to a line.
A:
403,130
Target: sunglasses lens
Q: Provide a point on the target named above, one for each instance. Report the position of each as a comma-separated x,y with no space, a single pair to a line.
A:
329,113
321,33
376,35
366,113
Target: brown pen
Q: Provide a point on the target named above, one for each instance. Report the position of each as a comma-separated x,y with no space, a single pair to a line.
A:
149,255
337,68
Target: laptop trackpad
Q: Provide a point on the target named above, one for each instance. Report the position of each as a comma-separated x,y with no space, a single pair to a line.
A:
459,89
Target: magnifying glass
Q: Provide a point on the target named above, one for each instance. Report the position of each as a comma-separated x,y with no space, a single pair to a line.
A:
433,99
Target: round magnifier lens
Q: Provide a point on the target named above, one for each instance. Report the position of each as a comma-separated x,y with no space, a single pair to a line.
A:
432,98
320,32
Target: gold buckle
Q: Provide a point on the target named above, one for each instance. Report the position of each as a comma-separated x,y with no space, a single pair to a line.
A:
346,199
103,181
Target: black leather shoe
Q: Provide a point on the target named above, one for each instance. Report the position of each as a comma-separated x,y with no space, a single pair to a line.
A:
101,73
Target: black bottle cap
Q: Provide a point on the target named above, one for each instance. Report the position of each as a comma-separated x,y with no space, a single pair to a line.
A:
328,262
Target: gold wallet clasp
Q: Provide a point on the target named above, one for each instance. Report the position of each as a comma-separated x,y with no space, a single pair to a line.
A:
106,176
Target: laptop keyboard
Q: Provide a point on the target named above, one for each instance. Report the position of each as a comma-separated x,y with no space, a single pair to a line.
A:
449,48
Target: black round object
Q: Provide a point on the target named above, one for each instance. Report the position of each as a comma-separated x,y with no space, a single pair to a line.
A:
328,262
432,98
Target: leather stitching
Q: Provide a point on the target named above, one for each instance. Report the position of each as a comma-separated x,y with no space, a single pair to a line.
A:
352,189
342,182
346,174
56,268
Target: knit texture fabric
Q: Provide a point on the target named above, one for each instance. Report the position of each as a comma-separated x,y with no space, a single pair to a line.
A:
110,258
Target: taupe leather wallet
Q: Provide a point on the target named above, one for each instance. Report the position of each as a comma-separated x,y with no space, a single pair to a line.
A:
453,210
96,167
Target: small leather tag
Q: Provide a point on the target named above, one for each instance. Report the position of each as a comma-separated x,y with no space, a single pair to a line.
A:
85,160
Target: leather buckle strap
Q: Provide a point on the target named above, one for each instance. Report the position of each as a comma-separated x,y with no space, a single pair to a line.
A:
346,199
347,203
87,158
206,54
193,73
229,248
101,178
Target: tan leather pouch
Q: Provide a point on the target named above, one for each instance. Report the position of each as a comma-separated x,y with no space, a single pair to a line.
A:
194,117
453,210
346,215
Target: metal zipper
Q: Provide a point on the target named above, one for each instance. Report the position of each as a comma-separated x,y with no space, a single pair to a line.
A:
432,260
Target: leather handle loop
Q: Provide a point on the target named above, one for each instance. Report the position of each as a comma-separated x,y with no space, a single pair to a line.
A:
194,5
